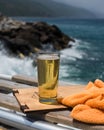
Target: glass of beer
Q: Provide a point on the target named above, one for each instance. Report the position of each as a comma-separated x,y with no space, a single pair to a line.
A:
48,73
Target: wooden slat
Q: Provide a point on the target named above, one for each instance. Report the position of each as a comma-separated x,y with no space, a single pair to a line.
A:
63,117
29,101
56,116
9,102
9,85
25,80
59,117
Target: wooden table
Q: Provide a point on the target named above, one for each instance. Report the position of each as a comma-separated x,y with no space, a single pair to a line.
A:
56,116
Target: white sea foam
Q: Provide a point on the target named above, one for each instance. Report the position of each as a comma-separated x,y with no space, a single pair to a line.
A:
12,66
69,57
73,52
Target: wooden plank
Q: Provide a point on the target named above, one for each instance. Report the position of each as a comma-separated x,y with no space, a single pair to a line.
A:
68,90
11,102
25,80
64,117
8,101
53,116
10,85
29,100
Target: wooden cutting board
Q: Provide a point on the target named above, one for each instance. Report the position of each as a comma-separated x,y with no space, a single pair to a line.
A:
29,101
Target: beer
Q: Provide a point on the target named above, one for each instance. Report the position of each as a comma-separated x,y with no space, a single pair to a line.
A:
48,71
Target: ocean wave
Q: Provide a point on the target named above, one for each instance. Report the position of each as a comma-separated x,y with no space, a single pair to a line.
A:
72,60
73,52
13,65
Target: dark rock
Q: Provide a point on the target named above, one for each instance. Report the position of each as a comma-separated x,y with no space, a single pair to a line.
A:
22,37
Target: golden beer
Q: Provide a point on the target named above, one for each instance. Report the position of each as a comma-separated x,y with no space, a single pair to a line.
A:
48,71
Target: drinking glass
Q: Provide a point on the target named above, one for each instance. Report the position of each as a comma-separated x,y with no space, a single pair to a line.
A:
48,73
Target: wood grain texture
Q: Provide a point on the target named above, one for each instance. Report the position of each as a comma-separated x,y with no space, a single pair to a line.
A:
54,116
10,85
11,102
8,101
25,80
29,100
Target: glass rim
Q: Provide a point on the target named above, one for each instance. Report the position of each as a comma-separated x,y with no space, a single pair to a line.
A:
48,53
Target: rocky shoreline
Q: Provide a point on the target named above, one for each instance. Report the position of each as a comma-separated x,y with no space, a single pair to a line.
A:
26,38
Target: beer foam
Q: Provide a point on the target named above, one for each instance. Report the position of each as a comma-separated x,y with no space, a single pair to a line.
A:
48,57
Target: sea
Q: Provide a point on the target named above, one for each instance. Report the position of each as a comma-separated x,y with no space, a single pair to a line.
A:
81,63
